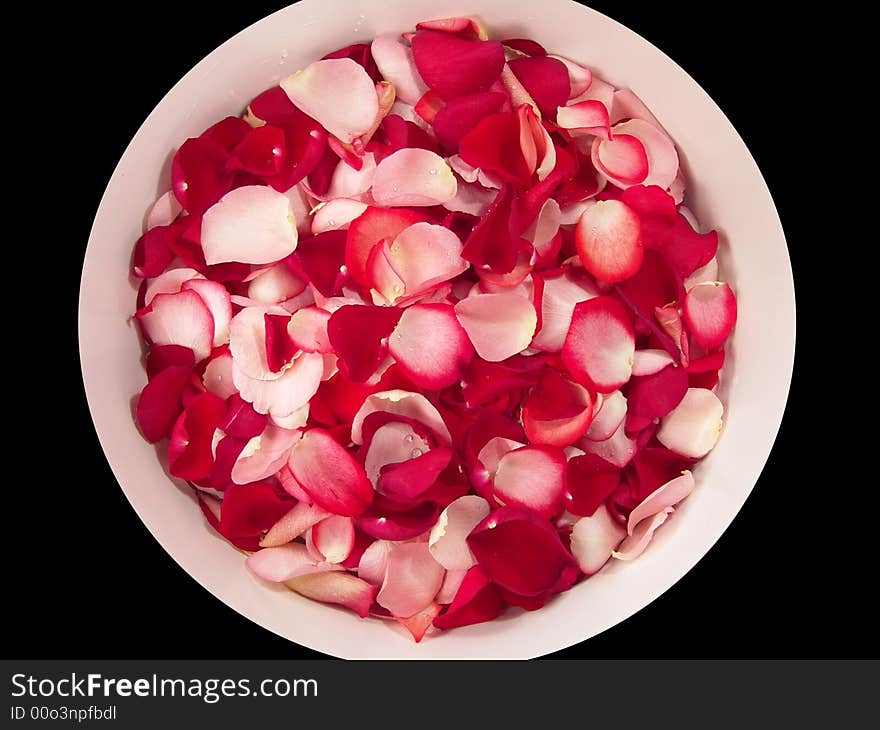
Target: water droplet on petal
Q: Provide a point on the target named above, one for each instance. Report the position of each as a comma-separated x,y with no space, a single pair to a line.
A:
432,171
415,453
409,438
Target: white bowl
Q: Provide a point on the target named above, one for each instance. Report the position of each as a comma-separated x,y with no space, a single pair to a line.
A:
725,190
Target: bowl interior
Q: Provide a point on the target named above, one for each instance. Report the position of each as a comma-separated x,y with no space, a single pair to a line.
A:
725,189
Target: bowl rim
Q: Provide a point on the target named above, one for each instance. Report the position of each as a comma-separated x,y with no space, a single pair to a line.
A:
91,383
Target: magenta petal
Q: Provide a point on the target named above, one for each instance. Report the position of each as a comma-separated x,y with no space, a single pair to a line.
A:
199,176
520,550
454,67
189,450
476,601
160,402
461,115
546,80
359,337
410,479
241,420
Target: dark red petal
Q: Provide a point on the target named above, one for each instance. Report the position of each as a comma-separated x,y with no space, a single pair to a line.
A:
653,467
520,550
455,67
491,242
319,260
250,510
546,80
280,349
556,412
525,45
653,396
153,251
461,115
384,523
160,402
241,420
411,479
494,146
199,177
359,335
189,450
166,356
228,132
590,480
329,474
262,152
477,600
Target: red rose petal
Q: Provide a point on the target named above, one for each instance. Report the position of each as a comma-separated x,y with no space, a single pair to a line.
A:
590,480
546,80
189,450
533,477
710,313
454,67
359,334
519,550
160,402
608,239
476,601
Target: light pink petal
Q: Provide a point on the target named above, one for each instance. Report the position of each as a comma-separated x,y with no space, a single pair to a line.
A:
618,449
275,285
430,345
544,229
623,159
694,425
421,257
333,538
662,156
293,524
338,93
264,455
413,177
215,296
534,477
308,330
600,344
392,443
396,64
491,454
412,579
704,274
594,538
498,325
217,377
350,183
297,419
448,540
608,418
547,161
300,205
336,214
179,319
471,198
169,282
401,403
579,78
290,392
247,343
561,293
252,225
635,544
599,90
626,105
164,211
337,587
282,563
451,583
669,495
585,117
648,362
371,567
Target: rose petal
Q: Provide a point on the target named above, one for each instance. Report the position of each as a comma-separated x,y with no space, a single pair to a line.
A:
283,563
402,403
413,177
293,524
498,325
412,579
608,418
333,537
593,540
635,544
338,93
477,600
179,319
448,541
694,426
454,67
590,480
710,313
600,344
396,64
160,402
430,345
336,587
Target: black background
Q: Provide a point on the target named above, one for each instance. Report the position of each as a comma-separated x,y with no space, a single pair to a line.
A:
83,576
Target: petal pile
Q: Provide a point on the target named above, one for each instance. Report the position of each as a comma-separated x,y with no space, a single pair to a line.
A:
429,328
